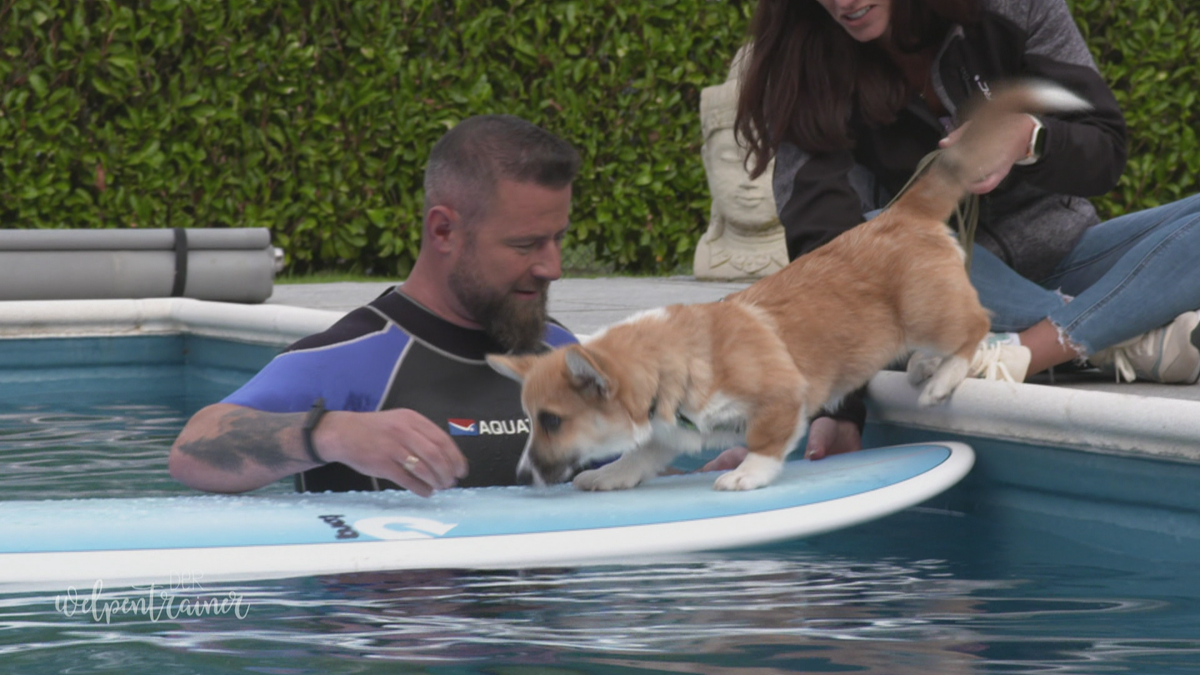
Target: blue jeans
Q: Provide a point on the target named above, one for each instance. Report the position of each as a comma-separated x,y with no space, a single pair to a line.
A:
1126,276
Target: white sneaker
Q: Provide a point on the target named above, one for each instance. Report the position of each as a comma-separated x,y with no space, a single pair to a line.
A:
994,360
1170,354
999,361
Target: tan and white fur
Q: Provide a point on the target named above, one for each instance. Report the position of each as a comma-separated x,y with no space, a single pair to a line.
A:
755,367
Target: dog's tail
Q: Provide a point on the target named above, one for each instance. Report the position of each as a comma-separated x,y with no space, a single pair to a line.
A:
935,194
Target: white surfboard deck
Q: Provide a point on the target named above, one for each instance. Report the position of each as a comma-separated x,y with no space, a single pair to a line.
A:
123,542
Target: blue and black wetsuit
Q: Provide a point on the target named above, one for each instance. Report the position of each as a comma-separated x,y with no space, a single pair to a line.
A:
394,353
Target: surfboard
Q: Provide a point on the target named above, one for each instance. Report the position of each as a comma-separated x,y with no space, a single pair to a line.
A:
137,541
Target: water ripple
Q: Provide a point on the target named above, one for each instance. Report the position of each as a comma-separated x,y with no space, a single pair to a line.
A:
881,616
102,451
800,608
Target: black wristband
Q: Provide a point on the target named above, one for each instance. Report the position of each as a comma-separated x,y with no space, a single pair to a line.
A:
310,424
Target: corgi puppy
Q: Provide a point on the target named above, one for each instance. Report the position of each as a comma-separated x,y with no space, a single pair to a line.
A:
756,366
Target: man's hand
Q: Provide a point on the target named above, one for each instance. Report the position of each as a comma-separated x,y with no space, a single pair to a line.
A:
826,436
400,445
726,461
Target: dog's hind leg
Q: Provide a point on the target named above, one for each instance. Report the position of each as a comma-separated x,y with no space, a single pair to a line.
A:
770,438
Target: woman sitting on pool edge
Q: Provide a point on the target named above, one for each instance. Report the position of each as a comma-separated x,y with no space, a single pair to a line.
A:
848,96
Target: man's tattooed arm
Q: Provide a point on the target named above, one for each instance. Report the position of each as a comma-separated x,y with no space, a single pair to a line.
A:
228,448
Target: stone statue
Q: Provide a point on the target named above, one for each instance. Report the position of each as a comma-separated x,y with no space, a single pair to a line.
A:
744,239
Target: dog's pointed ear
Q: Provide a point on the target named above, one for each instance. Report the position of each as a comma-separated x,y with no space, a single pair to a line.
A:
586,375
513,367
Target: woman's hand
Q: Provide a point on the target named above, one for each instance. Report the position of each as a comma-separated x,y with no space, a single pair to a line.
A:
1011,147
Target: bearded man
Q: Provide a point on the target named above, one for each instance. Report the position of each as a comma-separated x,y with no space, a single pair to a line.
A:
397,393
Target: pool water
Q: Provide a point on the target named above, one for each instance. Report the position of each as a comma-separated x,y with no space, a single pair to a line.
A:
963,584
103,429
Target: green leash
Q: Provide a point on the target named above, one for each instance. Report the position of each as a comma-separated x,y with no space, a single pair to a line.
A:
966,215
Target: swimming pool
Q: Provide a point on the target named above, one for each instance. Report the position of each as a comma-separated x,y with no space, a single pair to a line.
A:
1044,560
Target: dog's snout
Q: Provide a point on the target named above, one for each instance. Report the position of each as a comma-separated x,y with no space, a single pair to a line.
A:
527,476
528,472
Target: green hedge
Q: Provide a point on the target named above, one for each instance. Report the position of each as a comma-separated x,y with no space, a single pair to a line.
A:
313,117
1147,52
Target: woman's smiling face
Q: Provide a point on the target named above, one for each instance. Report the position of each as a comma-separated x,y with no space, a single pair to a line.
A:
864,20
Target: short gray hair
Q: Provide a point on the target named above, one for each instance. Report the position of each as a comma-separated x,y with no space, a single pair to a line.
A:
466,164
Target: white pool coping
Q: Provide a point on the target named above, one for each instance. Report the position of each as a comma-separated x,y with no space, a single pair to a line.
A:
1044,415
264,324
1096,421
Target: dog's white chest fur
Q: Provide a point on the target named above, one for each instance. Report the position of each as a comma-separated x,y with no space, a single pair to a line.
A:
720,424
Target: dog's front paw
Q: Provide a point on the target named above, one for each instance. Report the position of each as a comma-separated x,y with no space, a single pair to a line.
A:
756,471
921,367
738,480
931,396
608,477
943,383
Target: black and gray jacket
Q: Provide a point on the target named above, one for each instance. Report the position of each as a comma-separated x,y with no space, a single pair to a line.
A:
1039,212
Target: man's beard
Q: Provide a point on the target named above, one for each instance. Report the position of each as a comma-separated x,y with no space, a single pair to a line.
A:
517,324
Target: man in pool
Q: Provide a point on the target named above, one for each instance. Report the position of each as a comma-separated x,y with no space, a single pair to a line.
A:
397,393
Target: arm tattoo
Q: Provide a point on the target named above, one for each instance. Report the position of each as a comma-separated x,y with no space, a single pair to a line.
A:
246,435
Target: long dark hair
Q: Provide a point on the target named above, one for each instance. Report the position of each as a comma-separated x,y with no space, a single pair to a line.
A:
805,74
